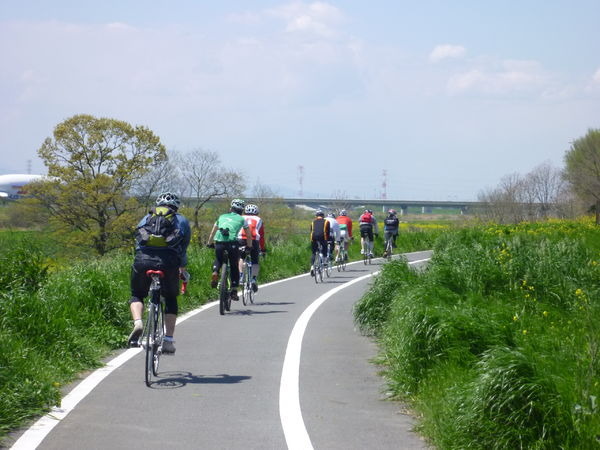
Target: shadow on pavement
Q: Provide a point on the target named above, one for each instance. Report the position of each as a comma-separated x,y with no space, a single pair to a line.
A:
251,312
176,380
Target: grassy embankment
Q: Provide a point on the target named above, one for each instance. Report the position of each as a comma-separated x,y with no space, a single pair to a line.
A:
497,344
61,313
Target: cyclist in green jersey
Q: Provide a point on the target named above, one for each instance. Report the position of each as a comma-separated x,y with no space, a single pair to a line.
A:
224,236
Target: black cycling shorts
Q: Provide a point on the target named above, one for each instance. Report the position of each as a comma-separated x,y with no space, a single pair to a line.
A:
254,251
366,231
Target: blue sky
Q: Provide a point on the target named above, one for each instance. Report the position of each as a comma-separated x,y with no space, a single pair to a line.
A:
446,96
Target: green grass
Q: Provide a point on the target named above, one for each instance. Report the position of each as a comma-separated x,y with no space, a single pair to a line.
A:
497,344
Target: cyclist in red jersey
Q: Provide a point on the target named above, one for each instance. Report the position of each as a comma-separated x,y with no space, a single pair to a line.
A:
257,231
345,230
368,227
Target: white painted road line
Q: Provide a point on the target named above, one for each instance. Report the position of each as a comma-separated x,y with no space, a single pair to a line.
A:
296,436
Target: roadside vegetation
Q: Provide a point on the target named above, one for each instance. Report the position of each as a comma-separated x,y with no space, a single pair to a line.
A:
497,344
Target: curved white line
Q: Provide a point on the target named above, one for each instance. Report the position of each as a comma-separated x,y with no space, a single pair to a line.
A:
290,413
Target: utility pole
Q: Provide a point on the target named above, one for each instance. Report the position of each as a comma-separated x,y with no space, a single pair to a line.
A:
384,186
301,181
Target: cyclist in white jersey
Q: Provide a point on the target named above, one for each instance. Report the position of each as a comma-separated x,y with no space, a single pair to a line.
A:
334,234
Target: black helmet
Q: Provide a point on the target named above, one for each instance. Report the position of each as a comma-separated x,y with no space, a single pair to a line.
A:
319,213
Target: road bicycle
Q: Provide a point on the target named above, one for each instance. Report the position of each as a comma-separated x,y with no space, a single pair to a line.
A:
246,281
340,262
318,264
389,245
154,330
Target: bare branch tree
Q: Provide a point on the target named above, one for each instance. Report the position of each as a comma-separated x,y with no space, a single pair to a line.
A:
164,177
206,179
547,184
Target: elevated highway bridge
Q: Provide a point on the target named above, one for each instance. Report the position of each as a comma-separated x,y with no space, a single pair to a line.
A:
426,206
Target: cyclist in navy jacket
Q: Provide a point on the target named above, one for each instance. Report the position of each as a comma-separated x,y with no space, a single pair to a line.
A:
171,258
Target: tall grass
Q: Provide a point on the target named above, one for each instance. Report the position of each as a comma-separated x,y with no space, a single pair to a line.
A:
497,344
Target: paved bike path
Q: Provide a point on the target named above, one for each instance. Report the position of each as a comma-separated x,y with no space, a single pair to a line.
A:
221,389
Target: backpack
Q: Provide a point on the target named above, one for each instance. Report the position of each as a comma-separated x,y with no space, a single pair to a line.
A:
159,229
391,222
366,218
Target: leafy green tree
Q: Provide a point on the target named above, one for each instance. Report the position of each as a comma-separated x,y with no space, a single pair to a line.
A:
582,169
93,164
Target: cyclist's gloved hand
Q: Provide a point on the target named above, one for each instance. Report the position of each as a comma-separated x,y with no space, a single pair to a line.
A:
211,245
184,275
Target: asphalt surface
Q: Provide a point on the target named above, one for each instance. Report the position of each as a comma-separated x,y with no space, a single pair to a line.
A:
221,390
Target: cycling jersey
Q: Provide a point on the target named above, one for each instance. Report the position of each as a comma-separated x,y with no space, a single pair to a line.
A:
257,230
334,227
368,221
391,224
319,230
347,222
229,226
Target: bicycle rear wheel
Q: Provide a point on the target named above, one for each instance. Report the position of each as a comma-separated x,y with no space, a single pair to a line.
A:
159,335
245,285
148,341
321,268
228,289
224,290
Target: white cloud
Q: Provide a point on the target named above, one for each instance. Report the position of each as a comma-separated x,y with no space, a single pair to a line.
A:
318,18
510,76
446,51
596,77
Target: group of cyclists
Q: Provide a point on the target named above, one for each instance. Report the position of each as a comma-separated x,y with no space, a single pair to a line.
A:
163,236
329,233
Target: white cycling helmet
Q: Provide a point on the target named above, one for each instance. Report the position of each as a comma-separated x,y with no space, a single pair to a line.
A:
251,209
343,212
168,199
